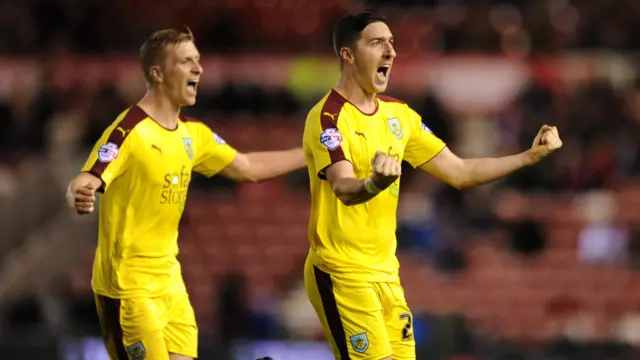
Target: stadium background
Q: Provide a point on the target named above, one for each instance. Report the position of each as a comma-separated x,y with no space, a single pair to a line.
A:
542,265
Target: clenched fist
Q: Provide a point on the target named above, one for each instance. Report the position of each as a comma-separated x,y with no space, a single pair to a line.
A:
81,193
546,142
386,170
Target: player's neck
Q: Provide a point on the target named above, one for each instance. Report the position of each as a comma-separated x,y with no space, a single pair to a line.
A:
349,88
160,109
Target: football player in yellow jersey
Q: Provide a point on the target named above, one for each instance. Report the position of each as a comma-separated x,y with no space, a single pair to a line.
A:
143,164
354,142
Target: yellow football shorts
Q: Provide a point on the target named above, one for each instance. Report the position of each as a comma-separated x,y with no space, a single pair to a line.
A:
148,328
362,320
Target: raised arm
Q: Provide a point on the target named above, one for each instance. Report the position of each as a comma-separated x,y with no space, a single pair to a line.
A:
466,173
261,166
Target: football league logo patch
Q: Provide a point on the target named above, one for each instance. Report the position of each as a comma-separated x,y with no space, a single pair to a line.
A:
137,351
108,152
394,126
359,342
331,138
188,147
425,128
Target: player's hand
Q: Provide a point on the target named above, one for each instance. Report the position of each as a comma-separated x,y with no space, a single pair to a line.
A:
386,170
546,142
81,198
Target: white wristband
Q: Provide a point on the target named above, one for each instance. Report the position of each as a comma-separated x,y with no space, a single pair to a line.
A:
371,187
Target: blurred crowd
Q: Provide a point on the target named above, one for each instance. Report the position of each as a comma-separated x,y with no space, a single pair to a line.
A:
599,125
255,25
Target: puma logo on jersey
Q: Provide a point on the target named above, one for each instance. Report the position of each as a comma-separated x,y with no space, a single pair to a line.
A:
155,147
332,116
123,131
361,134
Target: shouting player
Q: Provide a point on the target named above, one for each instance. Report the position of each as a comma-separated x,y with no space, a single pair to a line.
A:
354,142
143,164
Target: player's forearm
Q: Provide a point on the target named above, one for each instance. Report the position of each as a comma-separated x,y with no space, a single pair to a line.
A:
481,171
351,191
270,164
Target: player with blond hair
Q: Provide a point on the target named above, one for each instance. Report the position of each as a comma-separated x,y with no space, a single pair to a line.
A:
354,141
142,164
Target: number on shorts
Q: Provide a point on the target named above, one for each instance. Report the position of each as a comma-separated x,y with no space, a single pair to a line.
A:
407,333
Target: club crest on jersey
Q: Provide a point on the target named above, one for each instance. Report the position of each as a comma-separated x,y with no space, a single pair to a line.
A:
359,342
137,351
188,147
331,138
394,126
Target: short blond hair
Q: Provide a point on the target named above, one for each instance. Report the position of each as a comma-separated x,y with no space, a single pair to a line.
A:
152,50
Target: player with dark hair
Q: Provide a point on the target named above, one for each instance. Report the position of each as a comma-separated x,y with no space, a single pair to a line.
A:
143,164
354,142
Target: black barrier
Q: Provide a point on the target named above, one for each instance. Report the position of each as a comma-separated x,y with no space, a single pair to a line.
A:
28,348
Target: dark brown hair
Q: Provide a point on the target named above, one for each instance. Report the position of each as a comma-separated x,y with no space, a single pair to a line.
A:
347,31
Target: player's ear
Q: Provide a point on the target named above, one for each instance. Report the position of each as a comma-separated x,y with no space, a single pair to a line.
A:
347,55
154,71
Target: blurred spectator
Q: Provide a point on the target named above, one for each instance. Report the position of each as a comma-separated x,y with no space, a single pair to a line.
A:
233,309
602,239
417,222
569,318
83,315
634,246
477,210
515,213
103,108
627,328
264,314
449,255
298,316
7,186
24,315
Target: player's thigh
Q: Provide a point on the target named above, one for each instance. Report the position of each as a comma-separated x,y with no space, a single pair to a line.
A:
181,332
132,329
399,322
351,315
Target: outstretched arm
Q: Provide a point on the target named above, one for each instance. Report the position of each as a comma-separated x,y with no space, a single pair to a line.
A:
466,173
261,166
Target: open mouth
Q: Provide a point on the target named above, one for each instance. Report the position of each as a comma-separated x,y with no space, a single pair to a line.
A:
192,85
383,71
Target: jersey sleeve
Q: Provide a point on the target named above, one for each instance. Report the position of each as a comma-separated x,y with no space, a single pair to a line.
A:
213,154
324,141
110,155
422,145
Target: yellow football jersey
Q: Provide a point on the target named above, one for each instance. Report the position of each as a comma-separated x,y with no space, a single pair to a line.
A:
146,170
359,241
